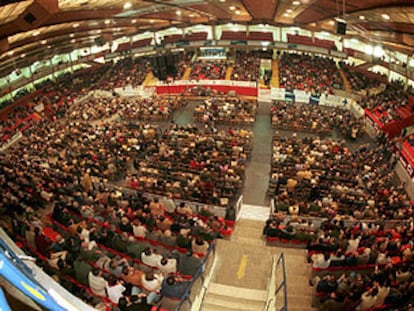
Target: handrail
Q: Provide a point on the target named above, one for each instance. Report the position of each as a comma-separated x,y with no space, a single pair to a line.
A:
198,273
281,260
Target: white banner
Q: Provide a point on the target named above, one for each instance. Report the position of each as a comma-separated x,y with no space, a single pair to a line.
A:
277,93
140,91
208,82
264,95
301,96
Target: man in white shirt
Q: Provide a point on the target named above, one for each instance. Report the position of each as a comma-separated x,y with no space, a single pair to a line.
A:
150,258
115,289
167,265
97,283
152,281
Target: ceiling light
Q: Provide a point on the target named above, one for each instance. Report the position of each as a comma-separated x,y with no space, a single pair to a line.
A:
10,53
152,21
331,23
222,0
23,55
385,16
296,2
289,11
107,21
43,41
134,21
36,33
75,25
286,14
191,15
232,8
73,40
361,17
178,12
98,31
237,12
49,46
127,5
72,35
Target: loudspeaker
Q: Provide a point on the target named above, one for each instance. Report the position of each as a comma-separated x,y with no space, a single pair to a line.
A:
29,18
100,41
340,28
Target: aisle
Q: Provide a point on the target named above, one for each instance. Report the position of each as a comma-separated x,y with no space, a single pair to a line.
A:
257,172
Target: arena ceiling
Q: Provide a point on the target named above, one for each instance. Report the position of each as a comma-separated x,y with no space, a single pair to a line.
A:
40,27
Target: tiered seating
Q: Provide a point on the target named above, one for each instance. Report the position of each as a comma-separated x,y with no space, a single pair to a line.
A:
260,36
299,39
226,110
234,35
172,39
326,44
322,178
141,43
246,66
314,74
360,80
196,36
205,70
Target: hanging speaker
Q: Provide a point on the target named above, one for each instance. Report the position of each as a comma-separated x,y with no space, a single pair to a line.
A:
340,28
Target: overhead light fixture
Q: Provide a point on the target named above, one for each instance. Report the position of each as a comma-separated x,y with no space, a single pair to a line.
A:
152,21
49,46
98,31
75,25
237,12
72,35
361,17
286,14
36,33
222,0
191,15
331,22
43,41
107,21
134,21
127,5
73,41
232,8
289,11
385,16
296,2
23,55
11,53
178,12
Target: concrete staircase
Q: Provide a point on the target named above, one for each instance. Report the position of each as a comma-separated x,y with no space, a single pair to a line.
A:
275,74
186,74
347,85
242,278
231,298
229,72
150,79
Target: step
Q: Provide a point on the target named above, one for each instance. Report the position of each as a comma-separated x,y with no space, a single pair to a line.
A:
211,307
237,292
232,302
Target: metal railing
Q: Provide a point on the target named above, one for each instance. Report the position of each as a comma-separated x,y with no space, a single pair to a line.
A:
282,285
187,297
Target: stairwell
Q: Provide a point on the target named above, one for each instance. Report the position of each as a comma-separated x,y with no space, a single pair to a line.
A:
186,74
149,79
275,74
241,278
347,85
229,72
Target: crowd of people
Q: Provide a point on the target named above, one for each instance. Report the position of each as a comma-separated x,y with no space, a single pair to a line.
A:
208,70
191,164
316,119
358,80
246,67
386,103
101,107
311,73
226,110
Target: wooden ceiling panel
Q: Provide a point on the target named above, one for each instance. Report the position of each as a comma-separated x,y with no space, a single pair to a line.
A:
261,10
